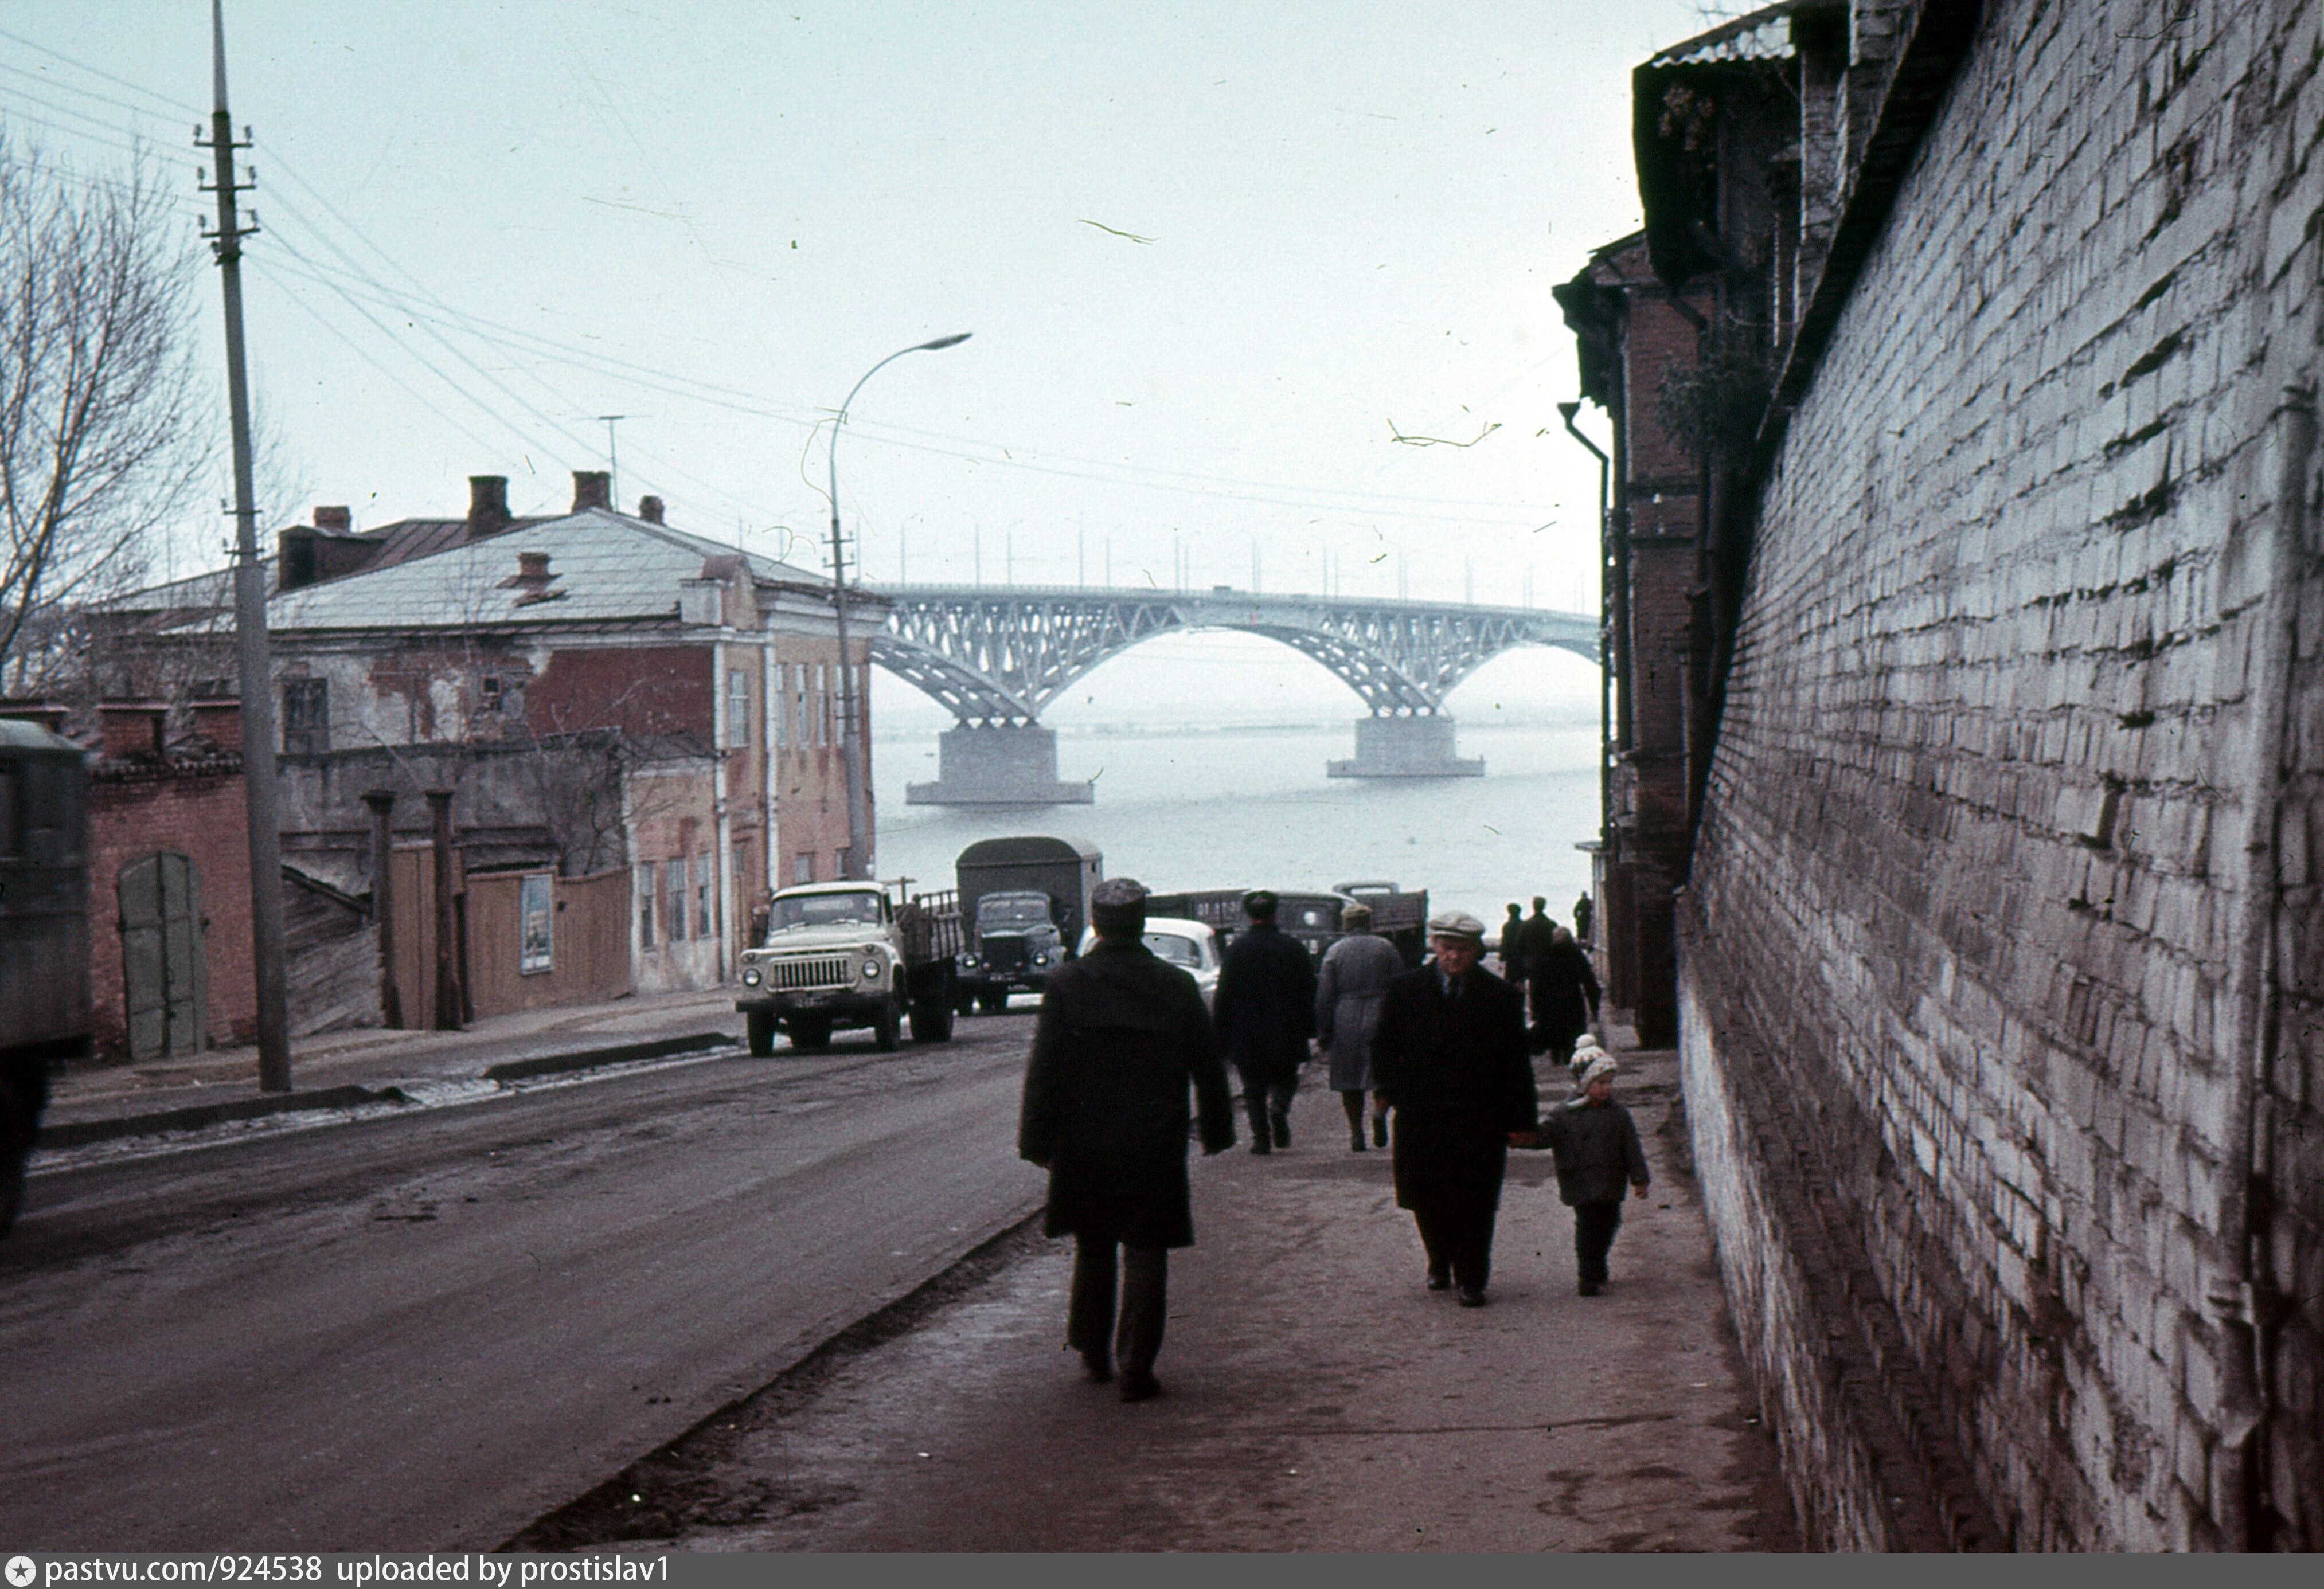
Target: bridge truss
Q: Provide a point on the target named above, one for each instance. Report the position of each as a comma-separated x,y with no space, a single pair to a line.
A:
999,656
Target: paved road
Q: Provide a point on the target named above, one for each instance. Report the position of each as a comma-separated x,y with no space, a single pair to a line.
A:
421,1333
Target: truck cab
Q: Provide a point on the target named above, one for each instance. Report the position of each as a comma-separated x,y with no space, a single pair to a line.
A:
848,955
1018,942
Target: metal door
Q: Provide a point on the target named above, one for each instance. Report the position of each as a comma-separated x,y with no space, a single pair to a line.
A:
165,973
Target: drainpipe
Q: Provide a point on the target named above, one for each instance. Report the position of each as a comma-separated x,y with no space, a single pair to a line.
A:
1605,631
721,745
2243,1304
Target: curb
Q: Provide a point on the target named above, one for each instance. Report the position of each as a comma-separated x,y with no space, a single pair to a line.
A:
194,1117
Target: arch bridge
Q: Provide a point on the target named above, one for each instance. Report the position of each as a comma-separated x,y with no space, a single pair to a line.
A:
998,656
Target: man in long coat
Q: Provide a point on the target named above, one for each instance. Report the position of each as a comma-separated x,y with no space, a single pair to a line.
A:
1121,1037
1451,1055
1264,1012
1564,996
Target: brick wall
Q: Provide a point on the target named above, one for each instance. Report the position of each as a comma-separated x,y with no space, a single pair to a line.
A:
199,816
1964,902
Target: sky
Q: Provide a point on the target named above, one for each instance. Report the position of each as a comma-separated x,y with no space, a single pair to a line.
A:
1260,293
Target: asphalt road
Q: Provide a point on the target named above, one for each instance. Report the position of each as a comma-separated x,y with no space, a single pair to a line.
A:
421,1333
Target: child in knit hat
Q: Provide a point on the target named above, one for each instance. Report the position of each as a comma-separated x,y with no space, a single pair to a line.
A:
1597,1147
1585,1049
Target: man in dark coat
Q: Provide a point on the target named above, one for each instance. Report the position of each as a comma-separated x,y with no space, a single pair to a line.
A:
1585,909
1120,1036
1512,947
1264,1011
1451,1055
1564,996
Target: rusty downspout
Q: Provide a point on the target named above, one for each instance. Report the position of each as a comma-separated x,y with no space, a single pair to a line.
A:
2239,1301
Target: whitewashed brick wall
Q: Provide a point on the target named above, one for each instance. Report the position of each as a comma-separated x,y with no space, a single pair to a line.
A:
1968,857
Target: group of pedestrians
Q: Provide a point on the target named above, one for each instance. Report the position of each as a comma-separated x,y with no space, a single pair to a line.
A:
1441,1052
1547,960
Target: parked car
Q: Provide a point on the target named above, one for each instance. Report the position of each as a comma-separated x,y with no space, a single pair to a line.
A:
1191,946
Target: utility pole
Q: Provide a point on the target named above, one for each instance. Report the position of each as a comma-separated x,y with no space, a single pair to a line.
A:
250,651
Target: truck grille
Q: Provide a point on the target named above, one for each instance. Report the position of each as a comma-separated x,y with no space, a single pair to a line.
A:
832,971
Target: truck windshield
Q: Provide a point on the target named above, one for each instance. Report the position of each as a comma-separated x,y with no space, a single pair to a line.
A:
825,910
1012,909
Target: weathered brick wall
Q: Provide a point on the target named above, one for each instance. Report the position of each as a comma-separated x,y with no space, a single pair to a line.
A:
1966,892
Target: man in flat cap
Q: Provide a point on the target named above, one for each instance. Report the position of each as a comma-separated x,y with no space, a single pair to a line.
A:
1264,1011
1121,1037
1451,1056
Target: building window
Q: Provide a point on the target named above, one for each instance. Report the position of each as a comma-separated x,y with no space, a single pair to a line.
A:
535,914
803,867
839,859
738,711
705,876
780,706
673,904
822,707
306,716
646,876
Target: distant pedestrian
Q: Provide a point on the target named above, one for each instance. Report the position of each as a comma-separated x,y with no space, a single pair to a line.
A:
1451,1056
1540,933
1564,996
1585,910
1349,989
1513,948
1264,1011
1597,1147
1121,1035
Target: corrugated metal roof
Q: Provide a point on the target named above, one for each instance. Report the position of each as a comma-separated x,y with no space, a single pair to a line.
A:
603,566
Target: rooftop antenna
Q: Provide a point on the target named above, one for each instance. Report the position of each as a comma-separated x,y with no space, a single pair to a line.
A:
614,457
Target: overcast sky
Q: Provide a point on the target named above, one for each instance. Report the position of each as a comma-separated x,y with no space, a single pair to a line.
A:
1217,258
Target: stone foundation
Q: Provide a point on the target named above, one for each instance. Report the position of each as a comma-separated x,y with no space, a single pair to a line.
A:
1406,748
1014,763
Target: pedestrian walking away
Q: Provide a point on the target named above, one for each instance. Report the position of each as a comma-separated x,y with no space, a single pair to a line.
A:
1349,989
1540,933
1513,948
1597,1147
1120,1038
1264,1012
1585,910
1564,996
1451,1056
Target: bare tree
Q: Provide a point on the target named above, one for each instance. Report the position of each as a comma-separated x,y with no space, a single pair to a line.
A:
101,435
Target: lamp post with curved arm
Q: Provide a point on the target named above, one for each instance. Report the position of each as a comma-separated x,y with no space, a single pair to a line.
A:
850,753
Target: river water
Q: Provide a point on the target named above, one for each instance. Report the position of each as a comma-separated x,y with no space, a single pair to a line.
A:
1244,806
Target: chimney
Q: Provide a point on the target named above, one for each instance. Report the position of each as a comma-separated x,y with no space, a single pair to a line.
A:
532,568
220,723
592,488
487,505
649,510
334,521
132,728
294,558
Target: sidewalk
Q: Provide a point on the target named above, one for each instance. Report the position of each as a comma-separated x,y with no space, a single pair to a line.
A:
343,1070
1317,1397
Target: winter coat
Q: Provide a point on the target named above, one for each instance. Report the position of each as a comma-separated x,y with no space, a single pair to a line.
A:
1354,978
1515,946
1597,1149
1264,1008
1460,1079
1121,1035
1564,988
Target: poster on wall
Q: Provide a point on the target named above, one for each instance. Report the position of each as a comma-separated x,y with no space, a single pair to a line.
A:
535,909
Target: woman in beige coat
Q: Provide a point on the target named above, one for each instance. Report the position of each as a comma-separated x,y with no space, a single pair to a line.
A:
1354,978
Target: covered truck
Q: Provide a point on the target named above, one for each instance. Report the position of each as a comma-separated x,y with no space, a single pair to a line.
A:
843,955
1025,901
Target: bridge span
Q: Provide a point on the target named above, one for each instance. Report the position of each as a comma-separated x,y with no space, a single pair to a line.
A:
998,656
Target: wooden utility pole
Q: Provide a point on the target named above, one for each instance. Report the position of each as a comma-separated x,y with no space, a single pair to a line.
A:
250,651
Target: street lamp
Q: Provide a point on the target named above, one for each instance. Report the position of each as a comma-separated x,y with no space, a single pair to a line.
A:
859,862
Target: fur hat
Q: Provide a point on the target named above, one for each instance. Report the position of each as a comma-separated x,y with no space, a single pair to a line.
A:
1118,907
1259,904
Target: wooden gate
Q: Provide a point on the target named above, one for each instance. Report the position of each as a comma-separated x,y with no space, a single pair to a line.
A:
162,966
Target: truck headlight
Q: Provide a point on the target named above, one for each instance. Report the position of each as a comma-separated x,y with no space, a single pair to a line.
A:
871,971
749,976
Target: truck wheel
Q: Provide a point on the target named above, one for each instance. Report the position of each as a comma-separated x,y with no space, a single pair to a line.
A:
992,1001
810,1035
932,1019
761,1027
887,1030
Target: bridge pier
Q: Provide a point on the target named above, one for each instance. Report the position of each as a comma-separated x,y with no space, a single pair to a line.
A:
999,764
1418,747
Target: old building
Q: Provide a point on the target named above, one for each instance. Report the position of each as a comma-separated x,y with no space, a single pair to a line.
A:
600,689
2002,719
